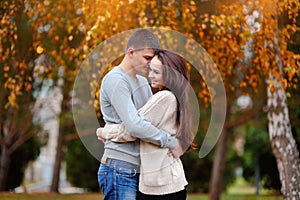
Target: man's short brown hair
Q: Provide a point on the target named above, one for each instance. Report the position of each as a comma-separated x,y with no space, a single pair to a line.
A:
143,38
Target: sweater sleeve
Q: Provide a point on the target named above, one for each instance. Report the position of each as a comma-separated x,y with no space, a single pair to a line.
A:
160,110
120,96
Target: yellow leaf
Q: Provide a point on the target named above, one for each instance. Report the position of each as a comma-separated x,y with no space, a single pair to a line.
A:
39,49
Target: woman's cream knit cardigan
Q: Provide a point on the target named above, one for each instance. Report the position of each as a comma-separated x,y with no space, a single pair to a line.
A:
161,173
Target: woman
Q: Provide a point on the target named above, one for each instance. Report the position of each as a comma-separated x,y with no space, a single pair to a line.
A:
162,175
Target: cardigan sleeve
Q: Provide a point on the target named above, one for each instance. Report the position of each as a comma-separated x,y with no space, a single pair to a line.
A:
159,110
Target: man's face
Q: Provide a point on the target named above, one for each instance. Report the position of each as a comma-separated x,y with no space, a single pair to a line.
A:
141,60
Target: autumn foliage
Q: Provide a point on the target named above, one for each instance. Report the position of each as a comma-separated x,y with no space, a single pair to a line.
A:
66,31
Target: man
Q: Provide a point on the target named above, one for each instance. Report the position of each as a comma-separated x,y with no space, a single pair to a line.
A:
123,91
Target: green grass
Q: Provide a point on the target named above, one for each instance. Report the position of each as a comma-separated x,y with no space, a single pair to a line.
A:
240,186
240,190
49,196
97,196
236,197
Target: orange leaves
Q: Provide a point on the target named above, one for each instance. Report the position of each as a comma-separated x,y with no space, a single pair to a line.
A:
39,50
6,71
228,34
254,80
292,69
6,68
57,24
14,86
14,51
205,96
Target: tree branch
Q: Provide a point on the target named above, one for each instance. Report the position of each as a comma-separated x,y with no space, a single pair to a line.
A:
250,115
21,140
2,143
75,136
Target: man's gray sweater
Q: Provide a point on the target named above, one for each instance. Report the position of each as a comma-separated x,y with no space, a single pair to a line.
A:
120,98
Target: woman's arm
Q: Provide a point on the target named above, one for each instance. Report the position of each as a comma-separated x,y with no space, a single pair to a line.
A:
160,110
115,133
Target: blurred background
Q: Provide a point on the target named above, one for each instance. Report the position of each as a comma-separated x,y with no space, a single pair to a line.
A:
254,44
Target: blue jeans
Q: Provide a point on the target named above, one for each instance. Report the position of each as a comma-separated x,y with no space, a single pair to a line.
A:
118,180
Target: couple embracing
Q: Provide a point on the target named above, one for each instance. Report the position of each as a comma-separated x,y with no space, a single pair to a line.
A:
145,133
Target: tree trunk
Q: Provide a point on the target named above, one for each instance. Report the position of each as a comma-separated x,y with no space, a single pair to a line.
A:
4,168
257,173
216,183
58,159
61,100
283,144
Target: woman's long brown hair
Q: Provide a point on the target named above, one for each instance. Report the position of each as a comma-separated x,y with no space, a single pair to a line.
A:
176,79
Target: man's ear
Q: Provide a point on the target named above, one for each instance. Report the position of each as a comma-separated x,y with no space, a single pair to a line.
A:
130,51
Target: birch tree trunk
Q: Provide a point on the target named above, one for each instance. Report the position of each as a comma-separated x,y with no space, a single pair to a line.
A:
65,124
283,144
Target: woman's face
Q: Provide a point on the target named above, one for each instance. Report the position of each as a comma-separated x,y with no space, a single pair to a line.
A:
156,73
